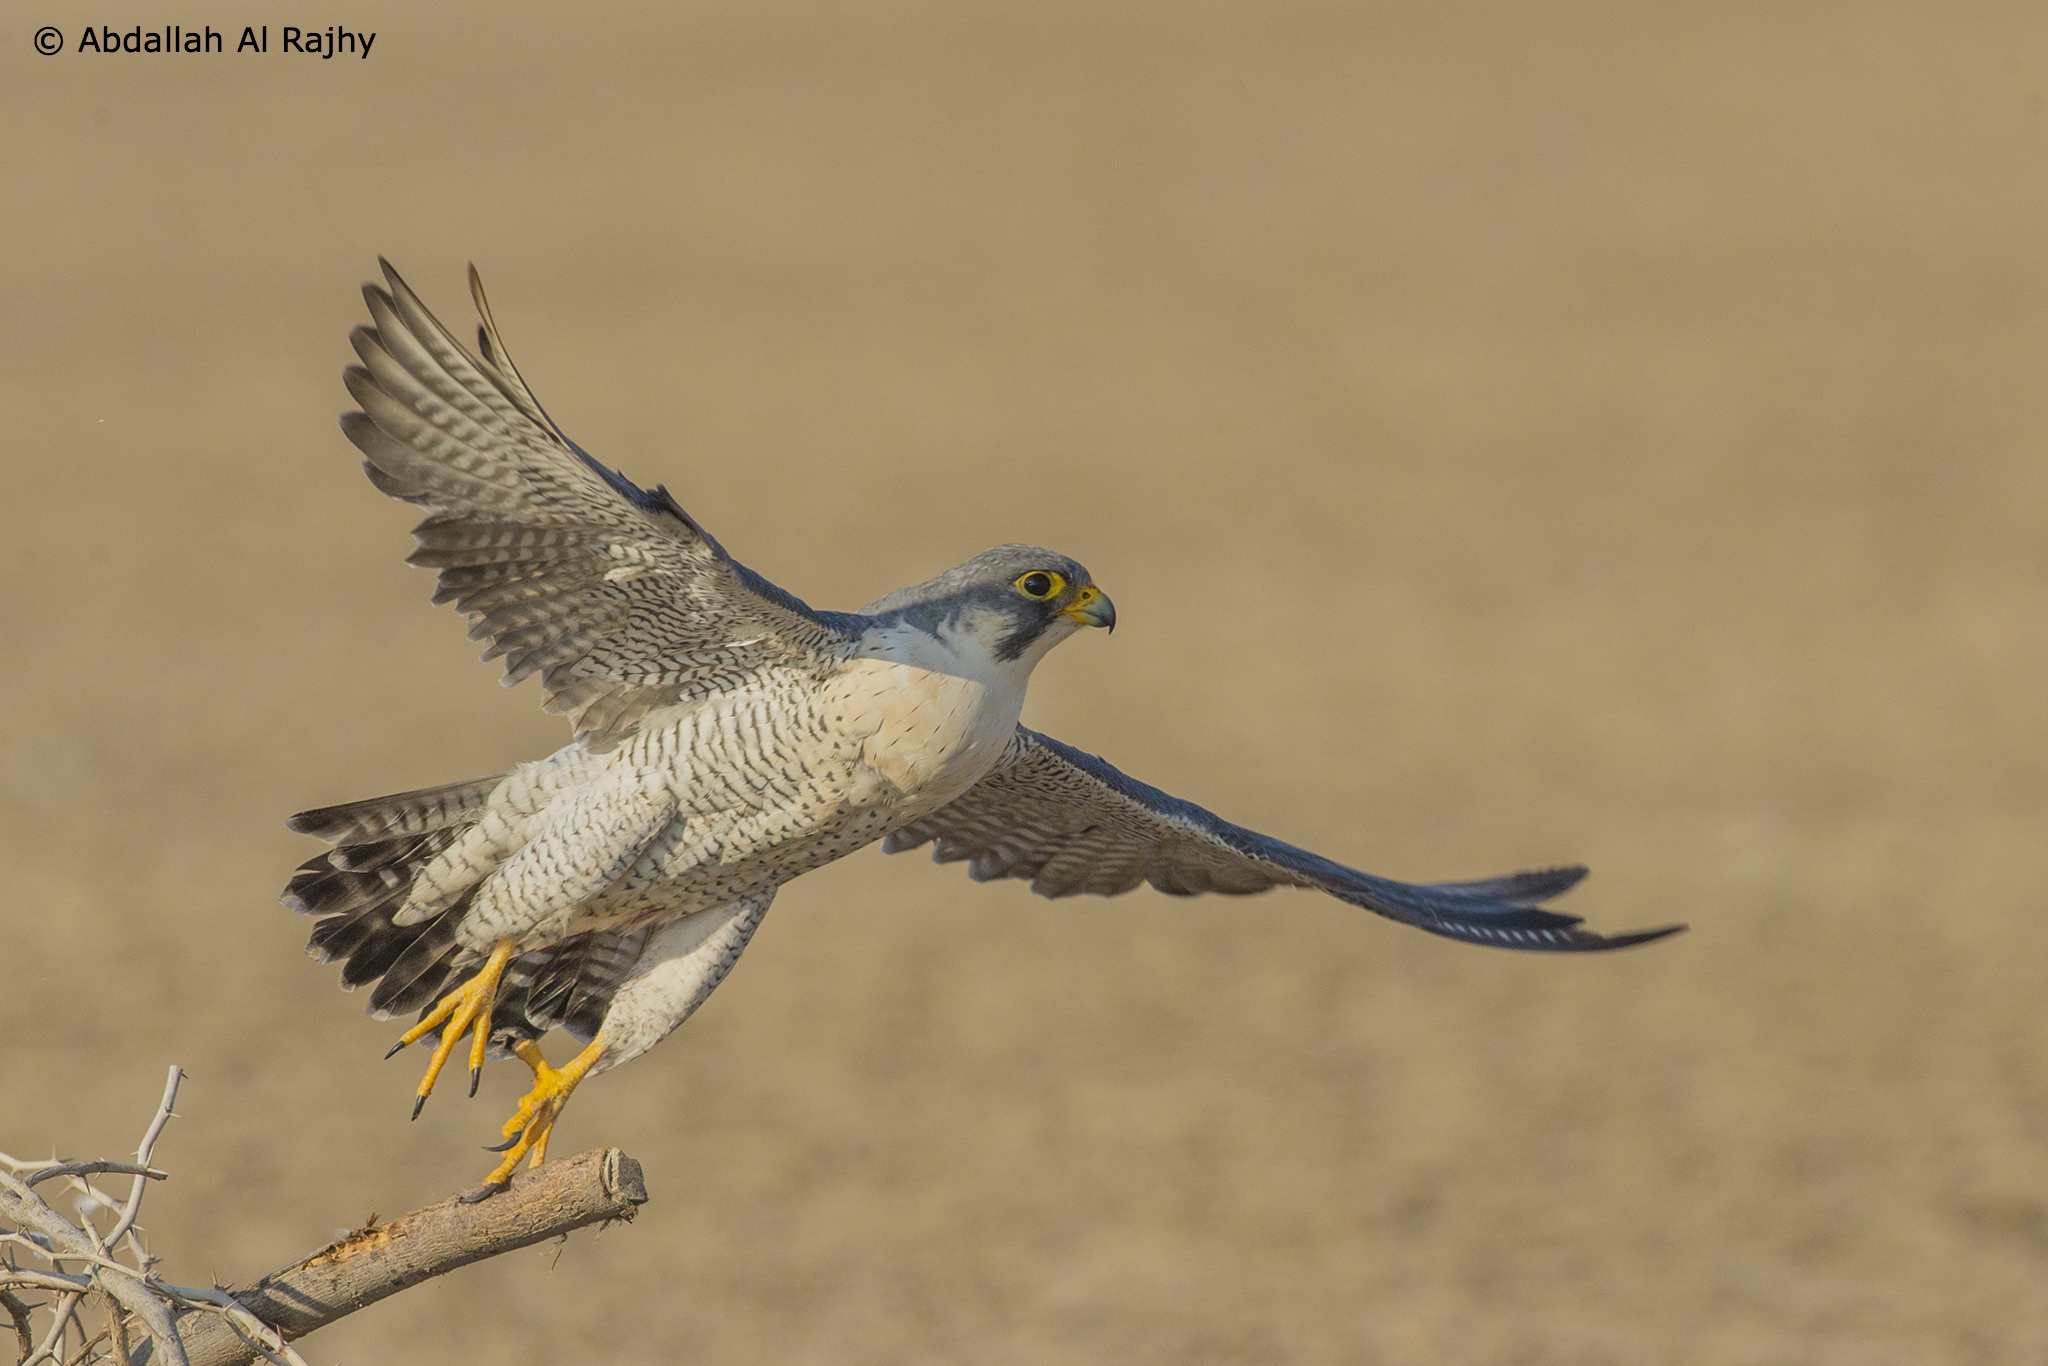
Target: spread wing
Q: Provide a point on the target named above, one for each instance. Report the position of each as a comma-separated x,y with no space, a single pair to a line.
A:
1071,823
612,594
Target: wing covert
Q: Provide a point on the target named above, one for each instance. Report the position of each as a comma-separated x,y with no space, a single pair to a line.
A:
1070,823
612,594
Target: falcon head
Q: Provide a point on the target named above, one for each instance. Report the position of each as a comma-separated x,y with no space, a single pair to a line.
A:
1012,603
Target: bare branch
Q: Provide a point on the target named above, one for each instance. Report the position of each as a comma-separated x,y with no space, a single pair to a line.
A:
47,1349
109,1312
48,1280
88,1276
156,1126
24,1330
88,1168
84,1353
120,1327
24,1208
371,1263
262,1339
163,1331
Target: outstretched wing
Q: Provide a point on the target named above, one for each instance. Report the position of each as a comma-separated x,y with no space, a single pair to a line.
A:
612,594
1071,823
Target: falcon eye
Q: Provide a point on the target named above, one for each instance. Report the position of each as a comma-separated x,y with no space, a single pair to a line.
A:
1040,585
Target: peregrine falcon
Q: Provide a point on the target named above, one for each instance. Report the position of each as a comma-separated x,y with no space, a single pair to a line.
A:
727,738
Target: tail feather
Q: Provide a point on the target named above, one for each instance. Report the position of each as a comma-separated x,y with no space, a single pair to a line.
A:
380,950
339,936
604,968
588,967
319,888
404,813
367,858
512,1012
414,977
358,888
344,880
567,985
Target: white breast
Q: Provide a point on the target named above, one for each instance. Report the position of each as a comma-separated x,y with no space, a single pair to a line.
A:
930,713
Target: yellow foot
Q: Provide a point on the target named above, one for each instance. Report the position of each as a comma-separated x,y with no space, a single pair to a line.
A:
527,1131
467,1005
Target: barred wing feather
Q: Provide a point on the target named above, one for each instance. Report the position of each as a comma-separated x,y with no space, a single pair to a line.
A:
611,593
1070,823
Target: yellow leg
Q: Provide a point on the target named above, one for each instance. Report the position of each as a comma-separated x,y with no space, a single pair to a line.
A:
528,1130
467,1005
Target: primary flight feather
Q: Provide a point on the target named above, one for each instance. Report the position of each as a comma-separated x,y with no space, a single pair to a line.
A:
728,738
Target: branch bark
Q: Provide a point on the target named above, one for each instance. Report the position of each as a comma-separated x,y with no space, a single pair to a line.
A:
371,1263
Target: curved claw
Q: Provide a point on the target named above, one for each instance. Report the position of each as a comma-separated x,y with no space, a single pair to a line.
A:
527,1131
464,1010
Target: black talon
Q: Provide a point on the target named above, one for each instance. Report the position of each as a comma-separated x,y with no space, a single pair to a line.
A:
508,1145
419,1103
394,1050
485,1191
476,1074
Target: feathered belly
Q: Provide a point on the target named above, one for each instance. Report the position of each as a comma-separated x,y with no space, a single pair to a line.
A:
759,796
723,801
889,742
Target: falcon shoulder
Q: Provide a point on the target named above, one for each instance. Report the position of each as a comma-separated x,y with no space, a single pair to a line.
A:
1070,823
611,593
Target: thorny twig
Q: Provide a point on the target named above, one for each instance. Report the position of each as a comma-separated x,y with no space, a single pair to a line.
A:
84,1353
57,1241
59,1322
24,1329
44,1173
141,1182
84,1266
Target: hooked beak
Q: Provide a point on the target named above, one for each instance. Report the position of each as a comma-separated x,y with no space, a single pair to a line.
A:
1092,607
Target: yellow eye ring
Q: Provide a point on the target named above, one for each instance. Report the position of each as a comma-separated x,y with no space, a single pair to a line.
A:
1040,584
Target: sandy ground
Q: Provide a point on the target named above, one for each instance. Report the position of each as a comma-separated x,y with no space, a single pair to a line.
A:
1511,435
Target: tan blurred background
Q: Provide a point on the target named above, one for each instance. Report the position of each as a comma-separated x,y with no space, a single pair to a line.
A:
1511,435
